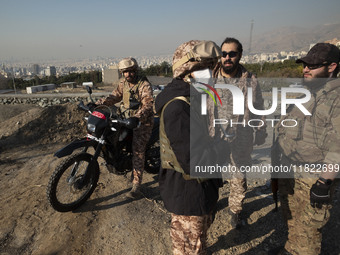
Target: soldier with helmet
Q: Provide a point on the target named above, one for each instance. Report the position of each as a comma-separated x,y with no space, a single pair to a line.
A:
191,201
134,88
312,147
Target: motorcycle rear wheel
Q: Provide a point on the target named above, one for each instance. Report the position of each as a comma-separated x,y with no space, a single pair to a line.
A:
66,190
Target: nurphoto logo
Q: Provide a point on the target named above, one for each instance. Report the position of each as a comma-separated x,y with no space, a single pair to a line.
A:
204,96
238,104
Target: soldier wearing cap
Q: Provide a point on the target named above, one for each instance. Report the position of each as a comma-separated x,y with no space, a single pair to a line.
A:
241,138
133,87
191,201
313,148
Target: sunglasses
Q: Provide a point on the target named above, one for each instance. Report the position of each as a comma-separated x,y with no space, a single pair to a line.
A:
129,71
314,66
231,54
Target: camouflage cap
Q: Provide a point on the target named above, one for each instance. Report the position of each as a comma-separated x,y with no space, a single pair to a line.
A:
127,63
194,55
321,53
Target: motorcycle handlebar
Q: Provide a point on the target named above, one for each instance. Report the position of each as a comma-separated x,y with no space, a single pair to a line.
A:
83,107
130,123
88,108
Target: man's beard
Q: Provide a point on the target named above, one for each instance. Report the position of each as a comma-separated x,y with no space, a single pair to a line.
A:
229,69
131,79
317,81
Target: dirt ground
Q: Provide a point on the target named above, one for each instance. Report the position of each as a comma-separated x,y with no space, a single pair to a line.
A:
108,223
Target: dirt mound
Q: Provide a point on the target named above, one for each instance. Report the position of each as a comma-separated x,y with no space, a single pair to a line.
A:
60,123
109,223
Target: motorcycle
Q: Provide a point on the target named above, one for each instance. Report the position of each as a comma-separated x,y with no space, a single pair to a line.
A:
109,133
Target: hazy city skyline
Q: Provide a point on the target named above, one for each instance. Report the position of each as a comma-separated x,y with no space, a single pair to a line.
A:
38,30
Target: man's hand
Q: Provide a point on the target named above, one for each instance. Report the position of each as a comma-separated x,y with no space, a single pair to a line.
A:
320,194
260,137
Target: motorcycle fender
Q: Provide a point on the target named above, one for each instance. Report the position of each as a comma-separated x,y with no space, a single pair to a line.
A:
68,149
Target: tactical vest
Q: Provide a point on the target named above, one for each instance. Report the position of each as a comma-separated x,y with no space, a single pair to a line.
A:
128,93
168,157
313,136
242,81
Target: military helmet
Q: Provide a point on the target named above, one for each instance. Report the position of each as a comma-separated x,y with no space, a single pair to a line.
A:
193,56
127,64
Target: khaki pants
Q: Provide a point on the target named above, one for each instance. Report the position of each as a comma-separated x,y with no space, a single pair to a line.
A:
140,138
238,189
303,221
241,150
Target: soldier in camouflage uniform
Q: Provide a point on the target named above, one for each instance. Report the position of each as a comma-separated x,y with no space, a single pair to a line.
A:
230,71
306,196
132,87
191,201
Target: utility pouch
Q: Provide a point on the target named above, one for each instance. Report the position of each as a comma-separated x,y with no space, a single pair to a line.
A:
133,101
295,133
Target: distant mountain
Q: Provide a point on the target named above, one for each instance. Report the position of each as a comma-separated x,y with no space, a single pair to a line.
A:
292,38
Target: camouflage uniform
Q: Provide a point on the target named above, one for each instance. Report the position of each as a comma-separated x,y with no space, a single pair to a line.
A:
242,141
188,233
315,139
190,201
141,135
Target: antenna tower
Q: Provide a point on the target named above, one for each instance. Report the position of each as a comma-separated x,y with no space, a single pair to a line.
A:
251,35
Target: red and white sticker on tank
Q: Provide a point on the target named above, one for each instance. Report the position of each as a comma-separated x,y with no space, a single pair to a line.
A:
99,115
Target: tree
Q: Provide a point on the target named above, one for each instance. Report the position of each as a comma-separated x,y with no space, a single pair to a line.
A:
287,68
3,83
163,69
52,79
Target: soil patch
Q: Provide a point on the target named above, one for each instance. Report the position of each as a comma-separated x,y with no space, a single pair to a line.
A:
108,223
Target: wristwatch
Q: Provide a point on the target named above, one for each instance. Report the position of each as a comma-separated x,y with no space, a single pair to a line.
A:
326,181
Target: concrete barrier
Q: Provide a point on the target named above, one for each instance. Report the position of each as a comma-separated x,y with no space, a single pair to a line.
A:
38,88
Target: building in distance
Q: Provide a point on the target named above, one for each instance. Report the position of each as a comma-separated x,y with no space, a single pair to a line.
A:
111,75
50,71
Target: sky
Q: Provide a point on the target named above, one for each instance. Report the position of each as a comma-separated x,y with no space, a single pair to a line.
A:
70,29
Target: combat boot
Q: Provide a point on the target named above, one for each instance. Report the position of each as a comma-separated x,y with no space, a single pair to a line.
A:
135,191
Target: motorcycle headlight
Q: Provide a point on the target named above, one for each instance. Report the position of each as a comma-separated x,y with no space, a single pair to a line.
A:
91,128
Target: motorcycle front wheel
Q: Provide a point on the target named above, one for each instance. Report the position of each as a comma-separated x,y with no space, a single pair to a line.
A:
67,188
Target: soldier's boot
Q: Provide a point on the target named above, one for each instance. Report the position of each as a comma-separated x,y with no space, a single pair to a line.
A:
135,191
235,220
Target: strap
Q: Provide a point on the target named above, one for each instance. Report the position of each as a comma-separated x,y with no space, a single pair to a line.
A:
183,98
183,60
135,87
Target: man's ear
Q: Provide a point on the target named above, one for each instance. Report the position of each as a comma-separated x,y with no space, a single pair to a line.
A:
332,67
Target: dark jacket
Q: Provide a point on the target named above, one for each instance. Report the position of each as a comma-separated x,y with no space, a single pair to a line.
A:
180,196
